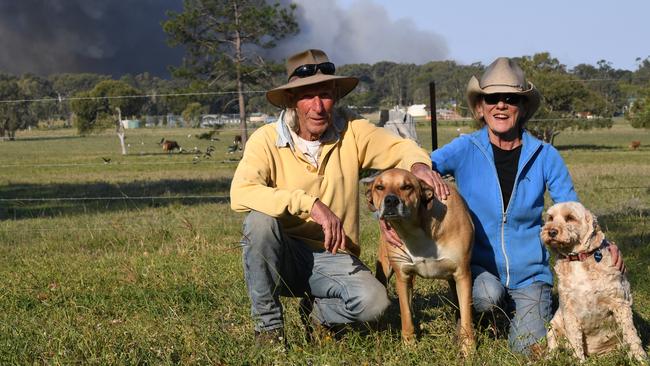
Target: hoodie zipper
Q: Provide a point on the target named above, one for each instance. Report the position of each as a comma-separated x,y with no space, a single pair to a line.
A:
504,219
503,244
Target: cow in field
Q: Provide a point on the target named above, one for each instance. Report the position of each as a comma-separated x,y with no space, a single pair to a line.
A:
635,145
169,145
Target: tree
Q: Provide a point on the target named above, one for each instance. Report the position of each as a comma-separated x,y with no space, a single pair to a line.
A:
221,38
607,82
385,84
192,113
639,112
108,100
566,99
66,85
13,110
45,105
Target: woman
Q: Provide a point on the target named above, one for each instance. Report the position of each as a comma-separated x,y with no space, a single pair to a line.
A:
502,171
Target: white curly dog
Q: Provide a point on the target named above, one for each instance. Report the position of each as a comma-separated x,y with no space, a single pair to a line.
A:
595,312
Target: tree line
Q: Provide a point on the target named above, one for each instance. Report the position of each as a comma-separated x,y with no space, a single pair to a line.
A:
586,90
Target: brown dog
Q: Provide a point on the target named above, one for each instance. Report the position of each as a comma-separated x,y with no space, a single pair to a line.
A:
595,299
438,238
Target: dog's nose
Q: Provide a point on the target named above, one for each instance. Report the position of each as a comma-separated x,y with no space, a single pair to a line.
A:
552,233
391,200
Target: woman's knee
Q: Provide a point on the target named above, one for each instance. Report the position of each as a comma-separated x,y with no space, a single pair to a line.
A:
487,295
533,310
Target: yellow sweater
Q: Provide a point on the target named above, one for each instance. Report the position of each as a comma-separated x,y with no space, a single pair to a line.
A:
276,179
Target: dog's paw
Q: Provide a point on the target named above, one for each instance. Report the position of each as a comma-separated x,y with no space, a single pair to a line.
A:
408,340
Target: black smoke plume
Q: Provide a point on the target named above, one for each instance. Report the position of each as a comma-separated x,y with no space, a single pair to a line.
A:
101,36
116,37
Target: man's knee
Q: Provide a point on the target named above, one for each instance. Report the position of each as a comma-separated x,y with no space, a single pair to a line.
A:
256,220
371,303
260,229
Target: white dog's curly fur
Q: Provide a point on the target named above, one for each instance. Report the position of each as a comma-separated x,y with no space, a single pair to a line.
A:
595,300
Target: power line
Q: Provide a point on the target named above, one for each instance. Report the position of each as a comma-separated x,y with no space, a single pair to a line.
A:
61,99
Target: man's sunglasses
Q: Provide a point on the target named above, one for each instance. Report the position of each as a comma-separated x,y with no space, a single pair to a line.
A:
512,99
303,71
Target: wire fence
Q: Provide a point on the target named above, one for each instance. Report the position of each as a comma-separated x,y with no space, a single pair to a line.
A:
117,163
235,127
198,197
627,220
115,198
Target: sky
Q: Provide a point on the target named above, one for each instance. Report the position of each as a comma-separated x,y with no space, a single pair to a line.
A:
574,31
125,36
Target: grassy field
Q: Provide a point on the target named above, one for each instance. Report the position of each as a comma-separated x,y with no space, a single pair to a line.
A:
151,272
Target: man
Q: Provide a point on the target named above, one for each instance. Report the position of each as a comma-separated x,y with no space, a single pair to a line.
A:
298,179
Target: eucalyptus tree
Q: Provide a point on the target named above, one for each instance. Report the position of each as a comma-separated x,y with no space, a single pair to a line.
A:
224,40
108,101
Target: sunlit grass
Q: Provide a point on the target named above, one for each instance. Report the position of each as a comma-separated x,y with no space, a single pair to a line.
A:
159,281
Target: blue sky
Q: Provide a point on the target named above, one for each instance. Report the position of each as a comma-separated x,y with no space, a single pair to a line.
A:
574,31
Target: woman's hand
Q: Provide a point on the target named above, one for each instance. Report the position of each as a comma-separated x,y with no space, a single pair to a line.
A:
617,257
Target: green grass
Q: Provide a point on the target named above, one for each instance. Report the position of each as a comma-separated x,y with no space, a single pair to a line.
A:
159,280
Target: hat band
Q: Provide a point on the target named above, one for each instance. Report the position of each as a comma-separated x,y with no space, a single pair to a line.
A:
516,86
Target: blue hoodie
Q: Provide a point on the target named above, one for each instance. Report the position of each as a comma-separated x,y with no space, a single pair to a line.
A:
507,242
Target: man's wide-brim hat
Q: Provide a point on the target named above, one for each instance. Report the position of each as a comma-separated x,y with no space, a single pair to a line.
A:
280,95
503,76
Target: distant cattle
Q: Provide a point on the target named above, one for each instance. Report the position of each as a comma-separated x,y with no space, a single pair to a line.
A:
236,144
170,145
635,145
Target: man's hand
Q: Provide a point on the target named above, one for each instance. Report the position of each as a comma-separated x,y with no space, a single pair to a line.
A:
332,226
617,257
432,178
388,234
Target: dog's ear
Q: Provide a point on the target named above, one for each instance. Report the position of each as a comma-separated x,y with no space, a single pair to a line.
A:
371,204
428,193
597,236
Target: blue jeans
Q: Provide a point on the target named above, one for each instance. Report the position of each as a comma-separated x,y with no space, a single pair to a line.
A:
343,288
532,306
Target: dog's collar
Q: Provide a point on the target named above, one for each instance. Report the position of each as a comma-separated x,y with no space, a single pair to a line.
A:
581,256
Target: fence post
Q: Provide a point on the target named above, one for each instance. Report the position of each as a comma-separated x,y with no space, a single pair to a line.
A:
434,119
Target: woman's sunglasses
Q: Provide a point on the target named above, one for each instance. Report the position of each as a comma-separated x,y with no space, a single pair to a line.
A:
512,99
303,71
